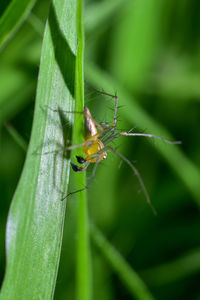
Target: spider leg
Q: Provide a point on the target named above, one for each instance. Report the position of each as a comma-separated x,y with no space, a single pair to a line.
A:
60,149
116,106
78,145
115,112
99,126
149,136
67,149
136,172
60,191
53,152
66,111
89,182
75,146
113,137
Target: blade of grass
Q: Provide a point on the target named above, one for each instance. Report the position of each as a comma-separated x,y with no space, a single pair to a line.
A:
172,153
36,217
13,17
16,136
171,271
16,91
136,41
83,252
181,85
130,278
36,23
100,13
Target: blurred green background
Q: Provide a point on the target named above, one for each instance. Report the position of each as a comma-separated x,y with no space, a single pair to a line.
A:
147,51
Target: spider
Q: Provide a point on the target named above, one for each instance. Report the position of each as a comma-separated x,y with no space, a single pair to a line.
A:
96,143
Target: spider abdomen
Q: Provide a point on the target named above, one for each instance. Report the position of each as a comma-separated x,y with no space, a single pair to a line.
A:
92,151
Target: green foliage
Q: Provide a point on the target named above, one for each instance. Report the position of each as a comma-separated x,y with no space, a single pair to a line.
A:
130,278
36,218
84,290
148,52
12,18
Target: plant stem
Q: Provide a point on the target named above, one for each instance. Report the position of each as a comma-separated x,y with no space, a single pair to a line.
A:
83,251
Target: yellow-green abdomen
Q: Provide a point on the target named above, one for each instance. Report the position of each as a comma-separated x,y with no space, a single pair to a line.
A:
91,152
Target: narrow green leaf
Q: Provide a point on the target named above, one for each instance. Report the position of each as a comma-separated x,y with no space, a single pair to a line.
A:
136,41
100,13
171,271
16,136
83,253
130,278
181,85
36,217
14,15
16,90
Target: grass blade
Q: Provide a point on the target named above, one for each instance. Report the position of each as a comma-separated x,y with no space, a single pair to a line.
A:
139,29
83,253
184,266
100,13
36,217
14,15
16,136
130,278
18,88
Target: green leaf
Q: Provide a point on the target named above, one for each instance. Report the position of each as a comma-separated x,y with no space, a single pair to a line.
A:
14,15
139,28
16,90
100,13
130,278
36,217
83,251
184,266
16,136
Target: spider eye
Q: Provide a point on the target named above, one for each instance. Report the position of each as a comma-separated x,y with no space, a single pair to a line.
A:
105,124
80,159
76,168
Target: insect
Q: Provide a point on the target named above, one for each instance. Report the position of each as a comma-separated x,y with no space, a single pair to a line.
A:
97,139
